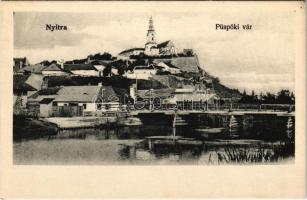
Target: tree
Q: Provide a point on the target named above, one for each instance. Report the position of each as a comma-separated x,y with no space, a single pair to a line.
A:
283,97
107,71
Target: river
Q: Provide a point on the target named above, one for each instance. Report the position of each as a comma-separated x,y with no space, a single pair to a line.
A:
127,146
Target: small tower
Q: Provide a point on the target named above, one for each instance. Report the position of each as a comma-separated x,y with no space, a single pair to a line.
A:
151,45
151,34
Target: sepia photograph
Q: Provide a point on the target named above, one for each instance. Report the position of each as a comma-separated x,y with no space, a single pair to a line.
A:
148,99
153,89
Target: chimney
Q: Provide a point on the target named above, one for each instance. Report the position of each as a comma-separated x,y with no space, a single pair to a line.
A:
88,59
61,62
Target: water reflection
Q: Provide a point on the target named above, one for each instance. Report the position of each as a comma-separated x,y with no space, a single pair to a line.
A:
258,141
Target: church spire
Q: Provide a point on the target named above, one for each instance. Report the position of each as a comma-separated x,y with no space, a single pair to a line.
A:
151,27
151,35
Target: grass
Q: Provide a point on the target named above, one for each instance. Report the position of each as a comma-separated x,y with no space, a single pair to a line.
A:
259,154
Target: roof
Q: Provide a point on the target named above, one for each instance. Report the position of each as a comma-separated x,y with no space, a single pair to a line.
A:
53,67
133,49
45,92
150,67
46,100
168,63
163,93
19,83
186,64
101,62
170,81
37,68
109,94
165,44
75,67
78,94
35,80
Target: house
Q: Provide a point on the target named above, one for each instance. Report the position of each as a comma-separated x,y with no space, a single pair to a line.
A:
130,52
112,99
55,70
168,67
185,64
36,69
85,101
142,72
166,48
19,63
82,69
21,90
100,65
40,103
189,98
45,107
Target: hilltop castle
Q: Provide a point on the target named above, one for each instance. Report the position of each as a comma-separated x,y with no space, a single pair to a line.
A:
152,48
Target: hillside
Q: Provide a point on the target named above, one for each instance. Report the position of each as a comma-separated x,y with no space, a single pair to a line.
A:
224,92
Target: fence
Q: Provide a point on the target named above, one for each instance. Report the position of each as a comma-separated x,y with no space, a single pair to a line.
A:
189,105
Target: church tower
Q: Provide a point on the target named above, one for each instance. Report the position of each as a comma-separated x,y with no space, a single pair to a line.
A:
151,45
151,34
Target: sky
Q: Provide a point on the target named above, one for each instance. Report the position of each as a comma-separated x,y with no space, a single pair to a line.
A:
261,59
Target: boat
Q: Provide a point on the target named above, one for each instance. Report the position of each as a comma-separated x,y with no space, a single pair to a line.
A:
153,142
210,132
130,121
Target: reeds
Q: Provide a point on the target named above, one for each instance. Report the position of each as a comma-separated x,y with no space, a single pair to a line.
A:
258,154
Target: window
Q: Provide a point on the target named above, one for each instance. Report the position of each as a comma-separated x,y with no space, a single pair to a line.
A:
84,106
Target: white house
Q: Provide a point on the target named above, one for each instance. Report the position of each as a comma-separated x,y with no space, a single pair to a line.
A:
168,67
82,69
129,52
142,72
85,100
100,65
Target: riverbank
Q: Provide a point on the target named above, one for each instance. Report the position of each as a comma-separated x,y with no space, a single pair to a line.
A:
29,127
80,122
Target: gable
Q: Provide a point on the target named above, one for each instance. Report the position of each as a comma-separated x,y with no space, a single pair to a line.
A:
53,67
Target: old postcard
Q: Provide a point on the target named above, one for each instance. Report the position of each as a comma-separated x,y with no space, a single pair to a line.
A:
153,99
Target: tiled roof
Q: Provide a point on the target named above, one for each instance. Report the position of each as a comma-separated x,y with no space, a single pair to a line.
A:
186,64
75,67
35,80
46,100
53,67
90,94
45,92
78,94
164,44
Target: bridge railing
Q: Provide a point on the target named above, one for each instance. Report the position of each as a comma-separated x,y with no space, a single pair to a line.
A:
213,107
